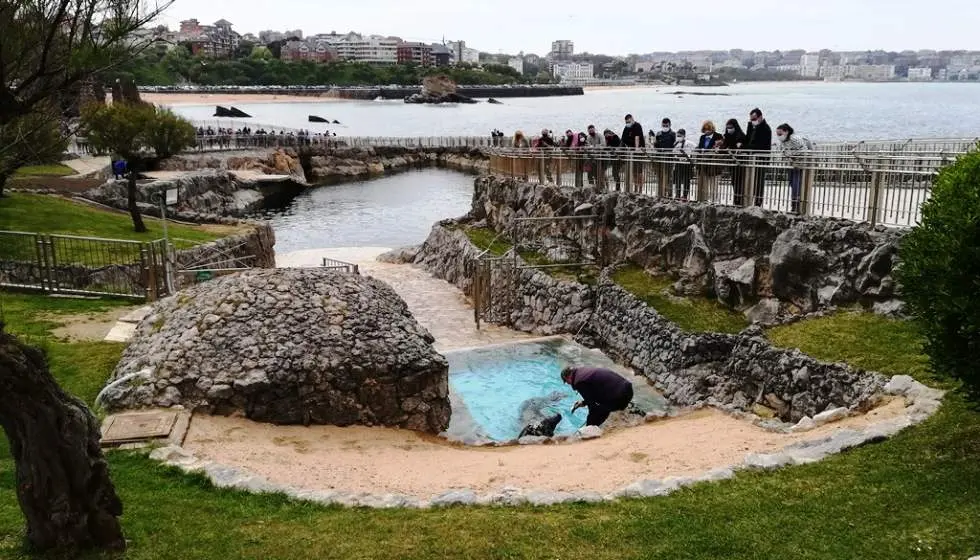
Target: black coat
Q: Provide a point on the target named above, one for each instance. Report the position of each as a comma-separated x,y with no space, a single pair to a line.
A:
759,137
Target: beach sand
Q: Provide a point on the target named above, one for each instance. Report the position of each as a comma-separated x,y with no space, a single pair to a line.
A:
228,98
385,460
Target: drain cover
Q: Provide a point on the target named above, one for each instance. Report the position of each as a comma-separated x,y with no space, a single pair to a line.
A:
137,426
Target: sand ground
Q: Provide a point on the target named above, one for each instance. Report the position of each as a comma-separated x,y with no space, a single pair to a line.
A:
229,99
384,460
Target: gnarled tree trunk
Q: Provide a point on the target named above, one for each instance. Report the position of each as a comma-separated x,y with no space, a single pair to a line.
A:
134,210
62,477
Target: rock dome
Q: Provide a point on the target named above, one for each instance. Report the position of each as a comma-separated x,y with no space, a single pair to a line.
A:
287,346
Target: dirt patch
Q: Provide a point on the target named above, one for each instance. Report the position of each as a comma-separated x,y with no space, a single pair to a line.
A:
87,326
382,460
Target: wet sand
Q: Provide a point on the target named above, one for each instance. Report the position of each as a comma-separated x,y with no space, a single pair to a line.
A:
384,460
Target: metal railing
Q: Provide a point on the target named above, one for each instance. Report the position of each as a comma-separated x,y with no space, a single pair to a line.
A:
882,187
67,264
342,266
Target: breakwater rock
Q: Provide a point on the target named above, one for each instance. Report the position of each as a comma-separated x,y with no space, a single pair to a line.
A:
287,346
335,165
770,265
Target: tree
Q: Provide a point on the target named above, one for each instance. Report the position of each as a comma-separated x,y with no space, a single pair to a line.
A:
62,477
31,139
940,271
137,132
48,47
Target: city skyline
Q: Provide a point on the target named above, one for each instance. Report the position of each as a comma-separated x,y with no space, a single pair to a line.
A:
834,24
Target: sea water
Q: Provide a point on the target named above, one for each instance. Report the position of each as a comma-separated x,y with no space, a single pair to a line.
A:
489,385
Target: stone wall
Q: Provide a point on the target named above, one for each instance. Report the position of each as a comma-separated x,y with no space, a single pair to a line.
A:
765,263
741,372
325,165
255,246
288,346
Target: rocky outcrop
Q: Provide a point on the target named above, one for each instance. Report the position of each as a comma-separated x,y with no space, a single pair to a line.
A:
289,346
747,258
340,164
280,161
438,89
741,372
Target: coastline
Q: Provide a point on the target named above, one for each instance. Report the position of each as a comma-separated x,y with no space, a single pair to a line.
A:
230,98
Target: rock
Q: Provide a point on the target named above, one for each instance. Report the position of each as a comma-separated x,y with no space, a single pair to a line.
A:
647,489
455,497
590,432
763,411
294,346
734,281
794,267
403,255
804,425
765,312
438,89
766,461
832,415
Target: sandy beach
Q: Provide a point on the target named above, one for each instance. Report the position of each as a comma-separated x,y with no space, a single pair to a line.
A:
229,98
384,460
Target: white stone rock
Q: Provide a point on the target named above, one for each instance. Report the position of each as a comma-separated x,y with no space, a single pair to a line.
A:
455,497
646,489
766,461
714,475
832,415
590,432
804,425
532,440
173,455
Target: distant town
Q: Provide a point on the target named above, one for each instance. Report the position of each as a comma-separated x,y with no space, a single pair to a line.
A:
564,65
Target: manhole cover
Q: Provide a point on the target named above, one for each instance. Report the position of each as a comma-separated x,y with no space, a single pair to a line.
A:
137,426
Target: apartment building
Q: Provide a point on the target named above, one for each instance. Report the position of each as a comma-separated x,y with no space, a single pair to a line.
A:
920,74
572,71
419,53
214,41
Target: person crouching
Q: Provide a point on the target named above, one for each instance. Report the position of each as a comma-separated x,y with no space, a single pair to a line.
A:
603,391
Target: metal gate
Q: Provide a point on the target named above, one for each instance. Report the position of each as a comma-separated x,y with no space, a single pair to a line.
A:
494,287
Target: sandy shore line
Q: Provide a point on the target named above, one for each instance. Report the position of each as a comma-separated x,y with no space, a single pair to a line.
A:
384,460
230,99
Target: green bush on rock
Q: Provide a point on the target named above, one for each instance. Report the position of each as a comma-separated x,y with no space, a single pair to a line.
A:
940,271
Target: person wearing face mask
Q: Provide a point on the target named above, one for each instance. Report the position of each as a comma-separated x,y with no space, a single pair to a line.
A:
633,139
794,149
759,140
733,143
593,141
547,144
708,171
664,144
682,170
613,158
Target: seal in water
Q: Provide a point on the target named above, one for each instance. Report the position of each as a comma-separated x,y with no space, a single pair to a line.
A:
535,420
544,428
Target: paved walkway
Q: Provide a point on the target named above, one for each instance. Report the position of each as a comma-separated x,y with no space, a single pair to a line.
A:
88,165
436,304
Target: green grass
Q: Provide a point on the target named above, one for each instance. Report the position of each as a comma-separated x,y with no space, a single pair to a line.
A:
914,496
46,170
488,240
690,314
59,216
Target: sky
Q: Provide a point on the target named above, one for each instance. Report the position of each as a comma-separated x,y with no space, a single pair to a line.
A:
619,27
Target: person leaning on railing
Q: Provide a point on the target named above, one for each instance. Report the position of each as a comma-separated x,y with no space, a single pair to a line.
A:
683,148
521,144
733,143
613,158
594,141
794,148
708,172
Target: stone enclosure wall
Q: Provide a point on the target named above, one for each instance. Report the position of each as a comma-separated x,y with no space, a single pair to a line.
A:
741,372
288,346
767,264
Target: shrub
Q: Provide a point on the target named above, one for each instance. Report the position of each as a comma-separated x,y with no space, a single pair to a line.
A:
940,271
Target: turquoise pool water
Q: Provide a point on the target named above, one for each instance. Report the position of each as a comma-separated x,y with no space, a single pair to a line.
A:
489,385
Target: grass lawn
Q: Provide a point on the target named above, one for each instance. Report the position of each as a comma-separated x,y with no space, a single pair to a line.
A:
914,496
691,314
46,170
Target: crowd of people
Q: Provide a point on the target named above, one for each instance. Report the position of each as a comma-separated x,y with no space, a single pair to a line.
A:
608,151
210,138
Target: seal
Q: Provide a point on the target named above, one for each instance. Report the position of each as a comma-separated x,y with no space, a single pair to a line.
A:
534,417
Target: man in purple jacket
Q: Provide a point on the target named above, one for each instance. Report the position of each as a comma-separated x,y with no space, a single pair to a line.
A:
602,390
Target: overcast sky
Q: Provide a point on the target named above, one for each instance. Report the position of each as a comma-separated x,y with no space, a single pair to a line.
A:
617,27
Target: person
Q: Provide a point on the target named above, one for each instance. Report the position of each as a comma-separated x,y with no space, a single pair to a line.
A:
733,142
709,142
521,145
759,140
594,141
119,168
793,148
614,144
547,144
664,145
603,391
633,139
682,170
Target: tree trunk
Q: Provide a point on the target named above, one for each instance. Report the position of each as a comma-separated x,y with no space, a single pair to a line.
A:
62,478
3,182
134,210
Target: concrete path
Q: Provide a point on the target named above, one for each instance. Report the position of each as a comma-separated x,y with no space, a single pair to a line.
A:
436,304
88,165
126,325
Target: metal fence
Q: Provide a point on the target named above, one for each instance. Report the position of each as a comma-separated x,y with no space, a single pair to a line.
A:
67,264
883,187
333,264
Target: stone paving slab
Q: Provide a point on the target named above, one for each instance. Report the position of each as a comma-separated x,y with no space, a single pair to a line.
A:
121,332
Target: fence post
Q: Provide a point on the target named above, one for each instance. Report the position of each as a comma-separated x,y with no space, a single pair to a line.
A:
541,168
874,195
147,276
806,190
748,188
628,187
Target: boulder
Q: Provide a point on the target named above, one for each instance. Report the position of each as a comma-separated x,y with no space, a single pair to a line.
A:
734,281
287,346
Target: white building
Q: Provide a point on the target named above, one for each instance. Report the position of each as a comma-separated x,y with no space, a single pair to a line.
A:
572,71
920,74
562,49
517,63
865,72
373,49
810,65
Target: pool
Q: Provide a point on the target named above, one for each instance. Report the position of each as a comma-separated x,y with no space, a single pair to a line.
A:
488,385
